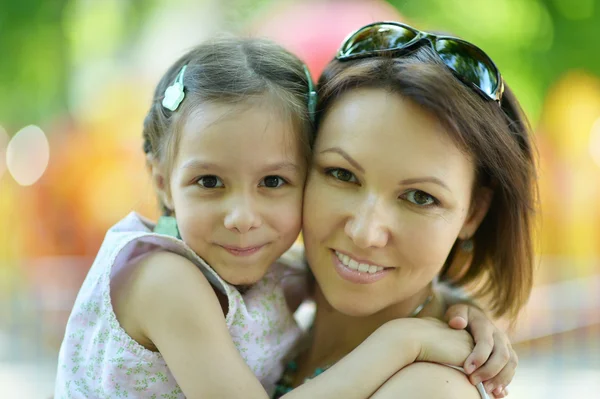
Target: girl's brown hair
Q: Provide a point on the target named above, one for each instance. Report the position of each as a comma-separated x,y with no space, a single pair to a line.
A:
498,140
229,70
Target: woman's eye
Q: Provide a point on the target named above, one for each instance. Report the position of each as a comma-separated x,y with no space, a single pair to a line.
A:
342,175
210,181
420,198
273,182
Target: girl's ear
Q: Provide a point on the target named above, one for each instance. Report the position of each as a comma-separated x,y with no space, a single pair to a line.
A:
159,180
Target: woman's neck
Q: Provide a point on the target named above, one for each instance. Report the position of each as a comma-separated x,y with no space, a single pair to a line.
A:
336,334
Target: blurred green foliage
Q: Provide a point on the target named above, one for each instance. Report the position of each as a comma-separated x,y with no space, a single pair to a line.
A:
532,41
33,66
41,40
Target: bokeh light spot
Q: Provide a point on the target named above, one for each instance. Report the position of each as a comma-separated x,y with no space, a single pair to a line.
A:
27,155
595,142
3,143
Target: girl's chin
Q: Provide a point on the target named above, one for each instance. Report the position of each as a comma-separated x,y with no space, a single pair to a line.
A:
240,278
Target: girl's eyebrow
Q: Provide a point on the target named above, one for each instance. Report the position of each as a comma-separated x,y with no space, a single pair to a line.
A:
283,165
199,164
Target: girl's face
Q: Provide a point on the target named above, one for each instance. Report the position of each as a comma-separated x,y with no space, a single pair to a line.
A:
388,194
236,187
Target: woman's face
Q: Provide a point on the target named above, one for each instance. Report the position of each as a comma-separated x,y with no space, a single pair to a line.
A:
386,198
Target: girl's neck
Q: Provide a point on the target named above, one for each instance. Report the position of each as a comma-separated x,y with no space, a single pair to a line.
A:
336,334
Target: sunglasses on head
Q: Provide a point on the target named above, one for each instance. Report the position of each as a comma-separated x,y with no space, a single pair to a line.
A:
466,61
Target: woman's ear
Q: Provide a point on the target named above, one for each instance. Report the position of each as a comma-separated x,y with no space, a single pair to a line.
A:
158,174
482,199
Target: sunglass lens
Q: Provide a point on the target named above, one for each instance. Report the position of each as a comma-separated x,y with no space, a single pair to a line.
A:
379,37
470,63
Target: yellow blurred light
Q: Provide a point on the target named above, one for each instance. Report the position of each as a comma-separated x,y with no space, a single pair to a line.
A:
3,143
27,155
572,106
595,142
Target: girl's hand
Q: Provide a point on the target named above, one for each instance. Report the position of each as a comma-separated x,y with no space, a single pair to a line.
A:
493,361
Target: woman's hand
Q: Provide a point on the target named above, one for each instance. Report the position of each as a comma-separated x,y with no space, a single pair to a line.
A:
429,340
493,361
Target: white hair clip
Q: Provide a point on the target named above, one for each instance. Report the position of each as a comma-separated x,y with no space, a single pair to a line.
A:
174,94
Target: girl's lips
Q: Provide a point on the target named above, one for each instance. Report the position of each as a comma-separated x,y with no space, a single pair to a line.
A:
247,251
354,276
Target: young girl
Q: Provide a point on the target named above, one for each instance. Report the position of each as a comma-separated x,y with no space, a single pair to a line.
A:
227,140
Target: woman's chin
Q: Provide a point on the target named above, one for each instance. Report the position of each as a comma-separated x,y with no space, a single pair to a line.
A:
352,306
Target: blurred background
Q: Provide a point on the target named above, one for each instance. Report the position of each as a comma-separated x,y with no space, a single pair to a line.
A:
76,78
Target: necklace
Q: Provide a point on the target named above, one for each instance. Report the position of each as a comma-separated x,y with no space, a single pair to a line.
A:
285,384
420,308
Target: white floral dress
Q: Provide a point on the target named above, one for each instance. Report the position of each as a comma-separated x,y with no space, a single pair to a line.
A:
99,360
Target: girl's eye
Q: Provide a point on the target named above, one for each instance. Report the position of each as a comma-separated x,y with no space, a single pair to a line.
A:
342,175
210,181
420,198
273,182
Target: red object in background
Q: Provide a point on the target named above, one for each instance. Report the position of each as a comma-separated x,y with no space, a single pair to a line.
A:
314,30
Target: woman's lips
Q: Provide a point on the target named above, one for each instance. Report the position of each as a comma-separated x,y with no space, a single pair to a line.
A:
348,273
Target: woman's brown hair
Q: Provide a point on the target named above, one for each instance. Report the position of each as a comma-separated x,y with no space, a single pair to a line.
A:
498,140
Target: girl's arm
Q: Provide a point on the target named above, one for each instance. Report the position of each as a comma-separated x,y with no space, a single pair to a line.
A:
175,308
428,380
395,345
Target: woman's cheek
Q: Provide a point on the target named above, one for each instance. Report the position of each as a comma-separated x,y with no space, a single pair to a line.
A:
321,203
430,242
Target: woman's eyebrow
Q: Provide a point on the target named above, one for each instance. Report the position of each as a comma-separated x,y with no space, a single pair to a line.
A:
346,156
425,179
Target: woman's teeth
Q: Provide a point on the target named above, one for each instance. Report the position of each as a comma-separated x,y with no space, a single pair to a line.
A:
354,265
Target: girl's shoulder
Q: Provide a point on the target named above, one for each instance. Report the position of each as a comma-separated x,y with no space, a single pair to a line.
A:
133,239
161,283
169,281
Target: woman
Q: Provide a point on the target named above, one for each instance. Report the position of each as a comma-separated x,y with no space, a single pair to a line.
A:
423,169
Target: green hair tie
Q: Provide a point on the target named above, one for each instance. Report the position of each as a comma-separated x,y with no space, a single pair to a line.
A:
312,96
